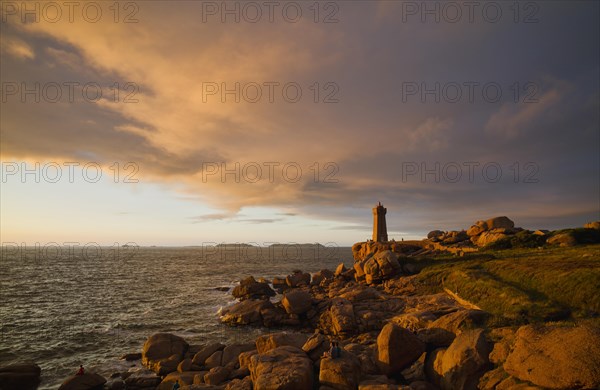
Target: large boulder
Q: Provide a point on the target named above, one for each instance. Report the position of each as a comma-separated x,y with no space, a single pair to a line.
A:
562,239
249,288
296,301
477,229
240,384
592,225
87,381
282,368
499,223
381,266
318,277
142,379
232,352
271,341
163,352
24,376
244,358
435,235
316,345
556,356
342,316
201,356
460,320
488,237
461,365
298,278
216,375
397,348
340,269
367,355
341,373
184,378
246,312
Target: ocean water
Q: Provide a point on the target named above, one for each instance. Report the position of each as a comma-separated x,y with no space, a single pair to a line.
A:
62,307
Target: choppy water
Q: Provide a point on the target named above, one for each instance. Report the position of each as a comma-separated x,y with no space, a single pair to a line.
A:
62,308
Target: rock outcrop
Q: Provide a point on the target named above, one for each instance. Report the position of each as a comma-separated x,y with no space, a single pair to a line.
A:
342,373
87,381
296,301
271,341
556,357
24,376
281,368
163,352
460,366
397,348
249,288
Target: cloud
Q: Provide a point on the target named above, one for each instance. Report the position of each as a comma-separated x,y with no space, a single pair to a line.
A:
16,48
175,132
511,120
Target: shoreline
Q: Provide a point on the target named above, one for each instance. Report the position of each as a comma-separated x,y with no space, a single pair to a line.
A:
402,318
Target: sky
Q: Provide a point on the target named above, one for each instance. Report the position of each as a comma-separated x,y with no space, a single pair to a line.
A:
194,122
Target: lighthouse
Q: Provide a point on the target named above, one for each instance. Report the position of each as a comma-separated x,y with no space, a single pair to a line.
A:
379,225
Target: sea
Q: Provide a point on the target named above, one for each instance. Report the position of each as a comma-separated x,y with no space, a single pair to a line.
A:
62,306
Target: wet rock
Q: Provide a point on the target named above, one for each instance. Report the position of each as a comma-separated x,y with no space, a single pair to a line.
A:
142,379
162,352
87,381
247,312
131,356
24,376
249,288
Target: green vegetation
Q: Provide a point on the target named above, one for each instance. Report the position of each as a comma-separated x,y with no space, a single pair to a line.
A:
523,285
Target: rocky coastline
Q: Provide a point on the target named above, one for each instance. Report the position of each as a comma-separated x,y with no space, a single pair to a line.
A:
392,335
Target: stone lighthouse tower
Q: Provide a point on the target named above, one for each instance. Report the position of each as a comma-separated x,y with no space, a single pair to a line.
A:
379,225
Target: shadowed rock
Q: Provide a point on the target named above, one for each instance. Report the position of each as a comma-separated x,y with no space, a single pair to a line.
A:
24,376
87,381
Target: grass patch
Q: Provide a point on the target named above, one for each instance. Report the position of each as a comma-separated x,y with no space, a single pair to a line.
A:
523,285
